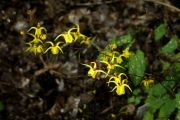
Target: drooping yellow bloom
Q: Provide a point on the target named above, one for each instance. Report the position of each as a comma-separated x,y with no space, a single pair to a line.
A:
113,46
78,34
38,30
111,65
117,78
107,56
74,34
55,48
147,82
120,89
43,36
93,70
112,55
36,40
120,86
119,59
86,41
67,37
34,48
126,53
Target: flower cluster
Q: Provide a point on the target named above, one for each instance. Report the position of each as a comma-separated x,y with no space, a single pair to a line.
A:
112,60
73,35
39,36
37,45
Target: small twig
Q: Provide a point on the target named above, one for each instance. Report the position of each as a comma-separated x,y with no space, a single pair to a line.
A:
46,68
61,74
96,3
164,4
106,110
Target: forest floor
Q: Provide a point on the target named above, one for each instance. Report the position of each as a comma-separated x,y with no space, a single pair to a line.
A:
37,87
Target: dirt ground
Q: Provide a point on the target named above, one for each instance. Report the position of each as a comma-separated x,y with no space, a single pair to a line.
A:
47,88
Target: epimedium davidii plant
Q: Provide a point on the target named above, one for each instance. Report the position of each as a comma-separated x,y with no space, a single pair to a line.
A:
111,60
116,63
123,69
162,93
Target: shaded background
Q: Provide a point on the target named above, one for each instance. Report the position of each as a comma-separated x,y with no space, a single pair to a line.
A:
35,88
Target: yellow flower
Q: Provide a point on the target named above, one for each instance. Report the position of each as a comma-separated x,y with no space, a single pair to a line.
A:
86,41
30,48
38,30
111,65
117,78
147,82
93,70
119,59
107,56
78,34
36,40
126,53
54,48
70,36
34,48
43,36
113,46
67,37
120,86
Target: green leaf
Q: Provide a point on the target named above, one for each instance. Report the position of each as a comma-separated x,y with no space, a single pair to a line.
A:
160,31
154,103
176,57
100,56
178,105
125,39
178,101
137,100
131,99
178,115
1,106
165,66
171,46
175,71
148,116
167,109
136,92
168,83
136,67
157,90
